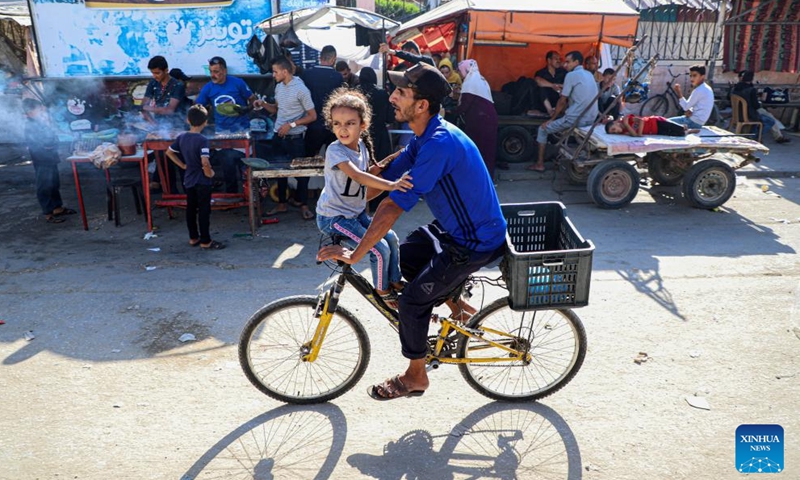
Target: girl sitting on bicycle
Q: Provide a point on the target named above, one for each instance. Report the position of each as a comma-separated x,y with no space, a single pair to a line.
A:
639,126
341,209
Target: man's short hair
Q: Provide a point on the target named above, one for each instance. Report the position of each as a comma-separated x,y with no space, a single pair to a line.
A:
434,106
411,45
328,53
30,104
218,61
701,69
341,66
551,54
747,76
283,63
609,71
157,62
576,56
197,115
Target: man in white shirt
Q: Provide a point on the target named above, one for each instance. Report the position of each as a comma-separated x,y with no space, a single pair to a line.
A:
700,103
295,111
580,93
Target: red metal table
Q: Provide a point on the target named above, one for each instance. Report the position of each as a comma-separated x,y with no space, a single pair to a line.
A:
220,201
139,157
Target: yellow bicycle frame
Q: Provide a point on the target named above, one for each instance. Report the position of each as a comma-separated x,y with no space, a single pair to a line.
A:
319,334
515,355
447,325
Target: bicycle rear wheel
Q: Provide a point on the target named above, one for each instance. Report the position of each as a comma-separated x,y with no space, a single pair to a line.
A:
273,342
555,339
657,106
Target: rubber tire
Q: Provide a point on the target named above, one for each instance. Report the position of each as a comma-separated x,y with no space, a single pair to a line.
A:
265,312
658,106
599,174
519,138
700,172
500,304
273,192
656,168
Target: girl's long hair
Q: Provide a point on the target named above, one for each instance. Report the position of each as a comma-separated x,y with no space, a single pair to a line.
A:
345,97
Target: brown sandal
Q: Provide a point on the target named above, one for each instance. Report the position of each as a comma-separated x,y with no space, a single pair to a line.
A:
391,389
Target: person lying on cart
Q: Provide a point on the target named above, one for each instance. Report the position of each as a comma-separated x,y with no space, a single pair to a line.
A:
641,126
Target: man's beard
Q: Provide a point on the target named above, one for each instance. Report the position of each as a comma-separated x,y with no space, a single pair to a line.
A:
403,115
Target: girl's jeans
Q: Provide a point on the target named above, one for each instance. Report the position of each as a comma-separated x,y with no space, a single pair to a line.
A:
384,256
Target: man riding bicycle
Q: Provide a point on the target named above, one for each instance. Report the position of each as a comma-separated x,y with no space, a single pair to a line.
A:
469,229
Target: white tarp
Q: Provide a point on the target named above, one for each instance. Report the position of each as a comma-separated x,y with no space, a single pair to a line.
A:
318,27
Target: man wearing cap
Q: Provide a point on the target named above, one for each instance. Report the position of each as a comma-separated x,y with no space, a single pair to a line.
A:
469,229
226,89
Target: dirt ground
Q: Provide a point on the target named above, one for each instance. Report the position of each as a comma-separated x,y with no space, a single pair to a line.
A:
106,389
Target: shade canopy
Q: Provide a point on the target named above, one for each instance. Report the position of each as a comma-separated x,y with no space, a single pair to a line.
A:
510,38
326,18
328,25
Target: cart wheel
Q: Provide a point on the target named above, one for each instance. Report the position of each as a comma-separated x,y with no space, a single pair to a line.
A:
709,184
577,176
514,145
273,192
665,170
613,184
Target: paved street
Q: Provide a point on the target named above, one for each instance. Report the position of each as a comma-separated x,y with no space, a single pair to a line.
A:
106,390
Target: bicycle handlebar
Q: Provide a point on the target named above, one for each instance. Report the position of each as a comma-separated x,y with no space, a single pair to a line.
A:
669,70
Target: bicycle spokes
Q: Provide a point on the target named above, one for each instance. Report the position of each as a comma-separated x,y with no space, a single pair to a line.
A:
523,355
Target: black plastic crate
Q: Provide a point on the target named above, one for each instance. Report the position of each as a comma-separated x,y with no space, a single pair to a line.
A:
548,264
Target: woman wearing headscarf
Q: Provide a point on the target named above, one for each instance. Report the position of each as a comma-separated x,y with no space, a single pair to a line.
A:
446,67
477,109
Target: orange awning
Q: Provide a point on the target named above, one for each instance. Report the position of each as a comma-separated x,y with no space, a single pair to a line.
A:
510,38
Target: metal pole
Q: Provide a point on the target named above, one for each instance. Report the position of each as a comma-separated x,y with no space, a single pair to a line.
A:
723,4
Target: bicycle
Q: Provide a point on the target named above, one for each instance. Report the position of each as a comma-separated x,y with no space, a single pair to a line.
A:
518,348
659,105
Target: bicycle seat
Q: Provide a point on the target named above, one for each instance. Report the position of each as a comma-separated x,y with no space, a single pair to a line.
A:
326,240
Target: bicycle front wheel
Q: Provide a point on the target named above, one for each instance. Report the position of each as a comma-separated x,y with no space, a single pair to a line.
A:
275,339
555,340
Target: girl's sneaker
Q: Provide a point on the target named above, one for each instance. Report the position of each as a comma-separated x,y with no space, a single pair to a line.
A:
391,300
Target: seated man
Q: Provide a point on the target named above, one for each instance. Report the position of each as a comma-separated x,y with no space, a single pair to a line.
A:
609,92
580,91
592,65
755,110
550,80
700,103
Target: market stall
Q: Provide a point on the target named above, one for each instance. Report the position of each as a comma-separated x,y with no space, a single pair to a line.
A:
510,39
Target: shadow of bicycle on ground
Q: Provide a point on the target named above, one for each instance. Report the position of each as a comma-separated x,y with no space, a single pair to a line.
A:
499,441
288,442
